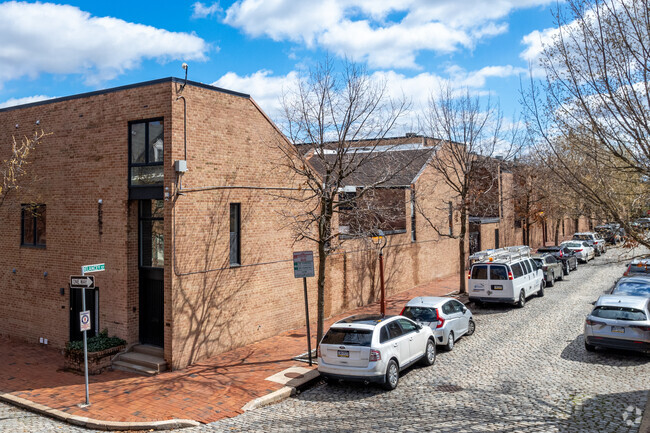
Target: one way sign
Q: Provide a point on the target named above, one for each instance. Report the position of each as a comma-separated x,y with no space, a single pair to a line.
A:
82,282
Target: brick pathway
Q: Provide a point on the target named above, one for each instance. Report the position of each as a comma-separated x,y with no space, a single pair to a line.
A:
213,389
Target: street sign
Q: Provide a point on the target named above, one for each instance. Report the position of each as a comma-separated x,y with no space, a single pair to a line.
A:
93,268
84,321
303,264
82,282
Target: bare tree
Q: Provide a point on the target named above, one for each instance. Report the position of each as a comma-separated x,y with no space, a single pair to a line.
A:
591,111
14,168
469,133
336,121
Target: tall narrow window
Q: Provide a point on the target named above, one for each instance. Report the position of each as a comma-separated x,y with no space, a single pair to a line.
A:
496,238
235,234
32,231
146,153
451,219
413,233
152,239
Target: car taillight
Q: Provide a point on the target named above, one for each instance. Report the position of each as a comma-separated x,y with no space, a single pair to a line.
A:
510,277
642,328
440,320
402,312
577,251
561,254
627,272
545,268
594,322
469,274
375,355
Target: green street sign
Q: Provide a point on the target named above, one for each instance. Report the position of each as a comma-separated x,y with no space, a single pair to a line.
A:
93,268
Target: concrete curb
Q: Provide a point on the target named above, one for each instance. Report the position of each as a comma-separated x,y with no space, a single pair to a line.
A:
94,423
645,421
284,392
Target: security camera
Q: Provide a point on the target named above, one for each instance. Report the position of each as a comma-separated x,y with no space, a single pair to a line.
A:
184,66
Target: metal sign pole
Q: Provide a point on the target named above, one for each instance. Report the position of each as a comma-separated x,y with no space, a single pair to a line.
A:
304,282
83,308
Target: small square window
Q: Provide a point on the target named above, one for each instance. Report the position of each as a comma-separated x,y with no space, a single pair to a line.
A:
32,233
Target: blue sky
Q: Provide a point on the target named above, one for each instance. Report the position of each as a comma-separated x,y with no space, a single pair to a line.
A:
261,46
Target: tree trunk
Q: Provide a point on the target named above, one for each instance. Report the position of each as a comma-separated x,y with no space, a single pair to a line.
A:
324,231
557,231
461,249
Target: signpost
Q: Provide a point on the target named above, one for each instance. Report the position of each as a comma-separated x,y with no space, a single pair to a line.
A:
303,267
84,282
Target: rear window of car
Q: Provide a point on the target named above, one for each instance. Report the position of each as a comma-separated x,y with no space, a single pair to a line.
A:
348,336
632,289
582,237
574,244
517,271
479,272
636,269
420,314
498,272
539,262
618,313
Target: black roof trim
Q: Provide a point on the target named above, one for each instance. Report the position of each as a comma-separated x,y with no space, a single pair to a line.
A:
128,86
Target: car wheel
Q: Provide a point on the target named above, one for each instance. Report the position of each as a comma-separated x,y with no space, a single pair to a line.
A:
540,293
566,268
392,375
429,353
575,267
589,347
471,327
522,300
561,277
450,341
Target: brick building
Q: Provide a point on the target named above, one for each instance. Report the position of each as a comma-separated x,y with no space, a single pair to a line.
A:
195,273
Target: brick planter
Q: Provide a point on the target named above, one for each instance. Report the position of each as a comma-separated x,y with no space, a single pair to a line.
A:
97,361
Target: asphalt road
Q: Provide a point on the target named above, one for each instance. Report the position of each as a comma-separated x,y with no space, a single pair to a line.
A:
524,370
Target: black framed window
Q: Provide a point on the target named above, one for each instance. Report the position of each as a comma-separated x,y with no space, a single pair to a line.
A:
146,148
32,231
235,234
152,239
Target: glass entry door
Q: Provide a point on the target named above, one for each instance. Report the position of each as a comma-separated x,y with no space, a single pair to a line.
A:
152,247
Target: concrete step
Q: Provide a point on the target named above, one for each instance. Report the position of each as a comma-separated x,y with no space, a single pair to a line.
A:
133,368
148,350
144,360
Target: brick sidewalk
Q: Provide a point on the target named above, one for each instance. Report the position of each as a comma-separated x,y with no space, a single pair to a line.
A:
213,389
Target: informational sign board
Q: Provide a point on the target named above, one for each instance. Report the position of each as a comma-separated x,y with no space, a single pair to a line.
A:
84,320
303,264
82,282
93,268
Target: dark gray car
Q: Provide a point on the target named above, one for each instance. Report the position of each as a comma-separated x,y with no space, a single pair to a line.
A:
553,269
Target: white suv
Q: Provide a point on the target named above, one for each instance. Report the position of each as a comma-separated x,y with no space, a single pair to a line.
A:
504,275
373,348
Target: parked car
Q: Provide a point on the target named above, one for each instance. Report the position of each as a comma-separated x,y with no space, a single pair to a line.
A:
374,348
593,239
505,275
581,249
553,270
563,254
448,318
638,267
632,286
642,223
613,233
619,322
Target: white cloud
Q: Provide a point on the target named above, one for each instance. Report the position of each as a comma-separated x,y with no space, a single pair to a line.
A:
40,38
385,33
200,10
26,100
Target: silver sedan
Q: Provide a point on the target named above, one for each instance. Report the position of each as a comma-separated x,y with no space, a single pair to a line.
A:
581,249
448,318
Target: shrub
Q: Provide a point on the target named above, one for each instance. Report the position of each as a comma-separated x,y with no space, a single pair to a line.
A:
96,343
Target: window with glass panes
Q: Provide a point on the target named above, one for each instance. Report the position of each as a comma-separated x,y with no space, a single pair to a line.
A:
146,146
32,231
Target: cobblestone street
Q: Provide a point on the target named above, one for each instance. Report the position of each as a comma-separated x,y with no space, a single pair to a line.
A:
524,370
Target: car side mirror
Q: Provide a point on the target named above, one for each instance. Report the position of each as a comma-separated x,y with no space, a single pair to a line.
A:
593,303
464,309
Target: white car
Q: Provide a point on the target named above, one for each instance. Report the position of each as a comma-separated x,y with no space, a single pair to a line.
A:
448,318
504,275
581,249
374,348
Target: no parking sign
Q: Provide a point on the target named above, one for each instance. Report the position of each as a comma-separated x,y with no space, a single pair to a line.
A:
84,320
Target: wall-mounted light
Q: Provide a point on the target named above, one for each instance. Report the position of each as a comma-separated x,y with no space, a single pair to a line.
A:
17,126
62,291
45,274
13,271
38,122
100,216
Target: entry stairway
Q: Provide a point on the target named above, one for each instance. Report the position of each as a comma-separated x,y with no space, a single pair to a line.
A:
142,359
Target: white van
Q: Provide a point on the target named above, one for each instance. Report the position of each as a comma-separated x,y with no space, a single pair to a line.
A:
504,275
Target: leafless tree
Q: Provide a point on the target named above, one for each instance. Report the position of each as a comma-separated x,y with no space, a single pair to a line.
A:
14,169
591,111
336,121
469,134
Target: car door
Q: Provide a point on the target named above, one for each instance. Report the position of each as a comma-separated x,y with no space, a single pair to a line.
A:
528,273
399,342
463,317
415,339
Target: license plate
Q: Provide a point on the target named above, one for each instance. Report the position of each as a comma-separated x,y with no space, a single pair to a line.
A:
343,353
619,329
497,287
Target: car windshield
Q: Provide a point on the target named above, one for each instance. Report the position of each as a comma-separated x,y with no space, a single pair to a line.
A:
618,313
632,289
348,336
420,314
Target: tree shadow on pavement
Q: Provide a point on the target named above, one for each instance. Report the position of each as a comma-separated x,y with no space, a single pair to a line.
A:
576,351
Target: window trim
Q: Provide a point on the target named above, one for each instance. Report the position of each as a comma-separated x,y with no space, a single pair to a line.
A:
146,164
23,208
